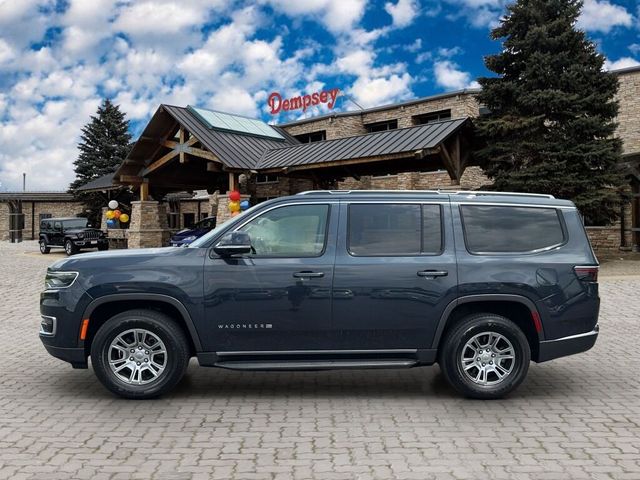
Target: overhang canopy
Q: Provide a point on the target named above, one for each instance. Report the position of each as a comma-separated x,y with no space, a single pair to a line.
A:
103,183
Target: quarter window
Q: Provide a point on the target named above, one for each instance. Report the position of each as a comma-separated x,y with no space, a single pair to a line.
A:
290,231
379,229
501,229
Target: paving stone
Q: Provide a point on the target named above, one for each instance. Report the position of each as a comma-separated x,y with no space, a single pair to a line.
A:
577,417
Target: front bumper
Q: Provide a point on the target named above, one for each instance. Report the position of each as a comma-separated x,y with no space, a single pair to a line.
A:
89,242
561,347
75,356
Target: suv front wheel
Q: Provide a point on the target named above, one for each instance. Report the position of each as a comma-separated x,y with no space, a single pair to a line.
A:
43,246
140,354
485,356
69,247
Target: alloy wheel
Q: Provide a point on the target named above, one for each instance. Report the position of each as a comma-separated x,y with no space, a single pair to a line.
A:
137,357
487,358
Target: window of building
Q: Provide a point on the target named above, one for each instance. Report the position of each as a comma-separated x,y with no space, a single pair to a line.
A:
173,217
266,178
376,229
290,231
188,220
500,229
432,117
310,137
381,126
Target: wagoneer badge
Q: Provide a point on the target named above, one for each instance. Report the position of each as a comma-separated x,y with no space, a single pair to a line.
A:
245,326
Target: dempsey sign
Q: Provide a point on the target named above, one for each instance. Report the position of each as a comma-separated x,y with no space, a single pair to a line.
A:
277,104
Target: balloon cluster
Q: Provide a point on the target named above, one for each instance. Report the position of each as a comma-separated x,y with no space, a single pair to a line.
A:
235,205
114,215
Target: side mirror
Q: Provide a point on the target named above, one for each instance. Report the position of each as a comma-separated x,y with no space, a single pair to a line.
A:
234,243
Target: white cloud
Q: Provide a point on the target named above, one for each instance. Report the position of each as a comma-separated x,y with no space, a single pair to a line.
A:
634,48
449,76
625,62
370,92
403,12
602,16
337,16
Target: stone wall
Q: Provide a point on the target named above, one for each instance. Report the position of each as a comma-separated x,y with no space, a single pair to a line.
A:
629,114
284,186
472,179
461,105
55,209
604,239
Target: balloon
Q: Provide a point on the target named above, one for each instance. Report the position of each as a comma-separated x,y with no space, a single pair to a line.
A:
109,214
234,206
234,196
111,223
113,204
233,214
116,214
244,204
124,218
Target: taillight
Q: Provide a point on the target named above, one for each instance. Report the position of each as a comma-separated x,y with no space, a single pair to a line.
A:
587,273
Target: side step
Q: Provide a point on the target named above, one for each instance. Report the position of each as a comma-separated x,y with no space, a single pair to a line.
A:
314,364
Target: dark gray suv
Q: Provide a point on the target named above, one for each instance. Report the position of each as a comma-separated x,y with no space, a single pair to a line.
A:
479,282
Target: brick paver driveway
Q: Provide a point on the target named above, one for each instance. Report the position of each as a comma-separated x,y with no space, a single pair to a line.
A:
572,418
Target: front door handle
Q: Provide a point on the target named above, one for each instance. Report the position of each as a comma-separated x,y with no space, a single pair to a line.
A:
308,275
433,273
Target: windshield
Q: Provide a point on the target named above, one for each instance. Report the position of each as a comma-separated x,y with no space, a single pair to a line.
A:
75,223
203,240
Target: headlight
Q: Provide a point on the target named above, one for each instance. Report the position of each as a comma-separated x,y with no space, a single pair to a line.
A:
56,280
189,239
81,235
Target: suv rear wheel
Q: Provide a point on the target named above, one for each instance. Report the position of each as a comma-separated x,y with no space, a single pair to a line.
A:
43,246
140,354
485,356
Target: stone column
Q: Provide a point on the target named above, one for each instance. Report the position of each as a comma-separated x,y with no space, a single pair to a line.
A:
627,224
4,221
223,214
149,226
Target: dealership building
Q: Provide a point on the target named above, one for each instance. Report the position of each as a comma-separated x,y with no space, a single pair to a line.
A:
419,144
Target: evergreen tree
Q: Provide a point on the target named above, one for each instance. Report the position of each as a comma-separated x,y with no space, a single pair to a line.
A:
552,110
104,144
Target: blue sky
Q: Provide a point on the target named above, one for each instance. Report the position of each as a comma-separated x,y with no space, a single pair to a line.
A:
59,58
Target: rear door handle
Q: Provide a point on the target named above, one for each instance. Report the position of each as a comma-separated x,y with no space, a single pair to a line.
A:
433,273
308,274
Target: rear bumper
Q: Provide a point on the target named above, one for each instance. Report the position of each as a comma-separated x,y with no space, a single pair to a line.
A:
75,356
561,347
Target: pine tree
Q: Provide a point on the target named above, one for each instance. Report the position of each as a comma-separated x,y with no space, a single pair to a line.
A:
552,110
104,144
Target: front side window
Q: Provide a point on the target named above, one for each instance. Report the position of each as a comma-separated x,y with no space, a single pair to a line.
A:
504,229
289,231
379,229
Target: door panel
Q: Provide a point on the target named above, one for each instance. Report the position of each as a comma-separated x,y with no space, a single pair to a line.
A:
392,301
274,299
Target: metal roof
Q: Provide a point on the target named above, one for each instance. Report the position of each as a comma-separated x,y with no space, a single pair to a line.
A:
235,150
37,196
105,182
376,144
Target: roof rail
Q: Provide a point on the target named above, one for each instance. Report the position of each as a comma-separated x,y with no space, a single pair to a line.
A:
439,192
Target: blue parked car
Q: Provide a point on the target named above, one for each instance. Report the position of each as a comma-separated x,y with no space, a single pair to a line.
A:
188,235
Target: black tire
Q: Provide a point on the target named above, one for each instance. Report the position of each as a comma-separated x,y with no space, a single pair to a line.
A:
70,248
455,344
160,325
44,249
104,247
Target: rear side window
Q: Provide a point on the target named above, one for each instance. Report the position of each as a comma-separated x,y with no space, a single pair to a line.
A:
503,229
381,229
